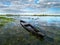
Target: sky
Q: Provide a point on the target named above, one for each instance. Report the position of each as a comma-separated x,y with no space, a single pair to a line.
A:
29,6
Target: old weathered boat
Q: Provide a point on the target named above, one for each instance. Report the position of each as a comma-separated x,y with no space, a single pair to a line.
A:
31,29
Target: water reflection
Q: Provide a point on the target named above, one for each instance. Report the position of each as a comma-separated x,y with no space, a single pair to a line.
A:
13,33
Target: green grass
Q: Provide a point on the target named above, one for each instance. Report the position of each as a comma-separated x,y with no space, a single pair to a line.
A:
5,20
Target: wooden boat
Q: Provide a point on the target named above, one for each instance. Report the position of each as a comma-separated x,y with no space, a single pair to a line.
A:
31,29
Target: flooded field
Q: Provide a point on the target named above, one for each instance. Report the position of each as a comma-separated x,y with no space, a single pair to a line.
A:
12,33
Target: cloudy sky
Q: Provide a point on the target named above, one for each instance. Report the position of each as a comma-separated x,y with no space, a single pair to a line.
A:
30,6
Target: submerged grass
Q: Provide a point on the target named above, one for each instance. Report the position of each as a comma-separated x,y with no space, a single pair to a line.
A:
19,36
4,20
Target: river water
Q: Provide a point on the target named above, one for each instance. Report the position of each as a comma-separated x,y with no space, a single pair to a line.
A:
49,25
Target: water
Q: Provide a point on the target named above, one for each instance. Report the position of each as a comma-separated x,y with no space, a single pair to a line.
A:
49,25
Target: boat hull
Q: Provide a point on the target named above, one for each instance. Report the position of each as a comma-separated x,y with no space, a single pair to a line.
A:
31,29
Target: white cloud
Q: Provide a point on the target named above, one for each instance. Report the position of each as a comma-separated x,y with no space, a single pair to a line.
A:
18,6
